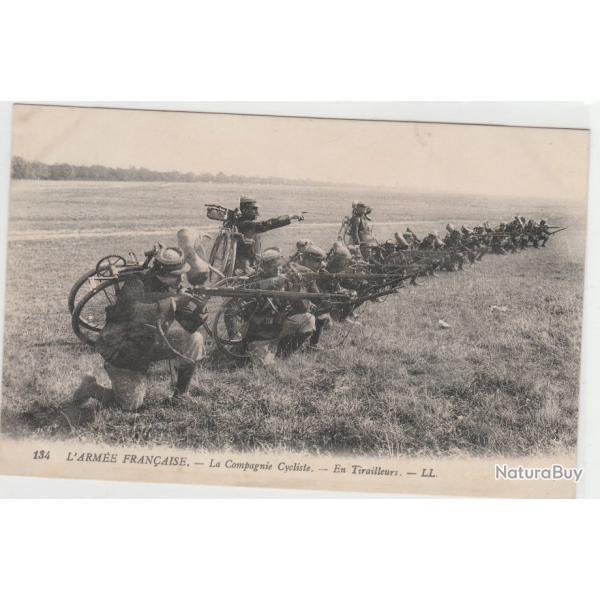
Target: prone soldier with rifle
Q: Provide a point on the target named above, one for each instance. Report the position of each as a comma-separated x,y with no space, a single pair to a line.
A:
283,307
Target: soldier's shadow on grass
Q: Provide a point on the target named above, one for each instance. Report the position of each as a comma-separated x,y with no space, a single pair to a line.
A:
217,361
49,420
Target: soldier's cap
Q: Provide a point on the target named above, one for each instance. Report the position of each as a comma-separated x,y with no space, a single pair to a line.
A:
302,244
270,255
340,251
314,252
247,202
450,227
170,261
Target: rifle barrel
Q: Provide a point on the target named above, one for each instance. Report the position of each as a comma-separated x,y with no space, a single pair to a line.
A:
228,292
351,276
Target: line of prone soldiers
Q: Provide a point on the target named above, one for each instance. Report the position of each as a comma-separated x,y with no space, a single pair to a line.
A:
280,328
460,244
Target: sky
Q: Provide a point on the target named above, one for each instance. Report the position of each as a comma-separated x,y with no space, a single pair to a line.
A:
414,157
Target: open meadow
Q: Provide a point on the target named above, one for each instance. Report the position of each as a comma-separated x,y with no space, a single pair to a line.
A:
493,383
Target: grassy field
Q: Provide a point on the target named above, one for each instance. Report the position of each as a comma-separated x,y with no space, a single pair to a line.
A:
494,383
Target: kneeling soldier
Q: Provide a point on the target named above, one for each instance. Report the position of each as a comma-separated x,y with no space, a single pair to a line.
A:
130,342
275,327
313,260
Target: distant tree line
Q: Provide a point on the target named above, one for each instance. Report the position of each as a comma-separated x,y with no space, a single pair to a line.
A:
25,169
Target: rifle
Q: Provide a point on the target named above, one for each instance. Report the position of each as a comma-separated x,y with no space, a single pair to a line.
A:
350,276
229,292
353,302
560,229
199,296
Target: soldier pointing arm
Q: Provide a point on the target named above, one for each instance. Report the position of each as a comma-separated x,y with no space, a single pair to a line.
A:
248,225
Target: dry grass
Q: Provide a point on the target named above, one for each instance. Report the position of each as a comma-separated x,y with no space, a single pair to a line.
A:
493,383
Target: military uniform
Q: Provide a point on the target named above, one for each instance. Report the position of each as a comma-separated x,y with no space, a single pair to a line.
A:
249,248
338,258
360,231
542,232
276,327
453,242
401,242
411,237
473,244
501,242
314,260
129,342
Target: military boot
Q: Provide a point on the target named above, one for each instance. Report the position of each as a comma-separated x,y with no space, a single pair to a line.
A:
85,391
185,375
87,399
292,343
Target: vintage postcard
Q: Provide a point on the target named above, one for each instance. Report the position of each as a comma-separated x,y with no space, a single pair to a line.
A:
325,304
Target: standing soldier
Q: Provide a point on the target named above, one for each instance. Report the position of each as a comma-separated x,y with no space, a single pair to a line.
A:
249,247
129,342
360,231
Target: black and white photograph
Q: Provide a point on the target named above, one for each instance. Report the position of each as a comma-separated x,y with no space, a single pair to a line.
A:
311,303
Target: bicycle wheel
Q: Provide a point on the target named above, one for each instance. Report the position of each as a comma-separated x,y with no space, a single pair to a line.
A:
89,316
215,303
344,232
79,289
90,280
230,325
108,265
219,255
230,264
